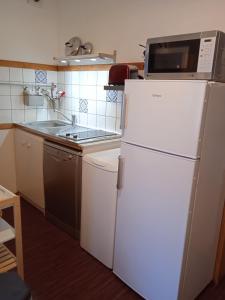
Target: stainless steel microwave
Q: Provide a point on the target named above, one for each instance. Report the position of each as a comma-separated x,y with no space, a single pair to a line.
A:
188,56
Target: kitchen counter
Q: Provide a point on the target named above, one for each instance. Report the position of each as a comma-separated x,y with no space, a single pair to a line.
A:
50,135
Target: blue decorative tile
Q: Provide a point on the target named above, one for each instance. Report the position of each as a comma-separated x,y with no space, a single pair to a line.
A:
111,96
83,105
40,76
120,97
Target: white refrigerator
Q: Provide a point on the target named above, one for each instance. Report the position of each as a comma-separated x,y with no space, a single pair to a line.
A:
171,186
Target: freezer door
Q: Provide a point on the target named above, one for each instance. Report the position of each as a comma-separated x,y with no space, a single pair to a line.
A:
152,214
165,115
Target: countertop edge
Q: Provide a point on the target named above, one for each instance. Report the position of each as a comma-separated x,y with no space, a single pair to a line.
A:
6,126
85,148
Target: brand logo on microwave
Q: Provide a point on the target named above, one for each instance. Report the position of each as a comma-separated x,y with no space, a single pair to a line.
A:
156,95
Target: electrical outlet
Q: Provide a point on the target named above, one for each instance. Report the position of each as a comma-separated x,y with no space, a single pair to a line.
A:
37,3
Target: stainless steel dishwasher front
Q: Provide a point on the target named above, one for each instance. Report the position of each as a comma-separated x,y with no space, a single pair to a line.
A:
62,185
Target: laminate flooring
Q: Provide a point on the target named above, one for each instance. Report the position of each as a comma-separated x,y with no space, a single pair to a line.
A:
57,268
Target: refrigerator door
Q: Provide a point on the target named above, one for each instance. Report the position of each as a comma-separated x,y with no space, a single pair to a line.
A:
165,115
152,213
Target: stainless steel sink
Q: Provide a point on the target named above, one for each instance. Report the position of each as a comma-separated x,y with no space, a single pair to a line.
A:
48,124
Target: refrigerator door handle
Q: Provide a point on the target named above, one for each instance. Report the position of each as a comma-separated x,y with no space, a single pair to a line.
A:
120,172
123,123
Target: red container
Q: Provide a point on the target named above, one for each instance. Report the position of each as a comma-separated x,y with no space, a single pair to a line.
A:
119,72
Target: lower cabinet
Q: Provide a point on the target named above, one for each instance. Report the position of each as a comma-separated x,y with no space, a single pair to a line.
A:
29,167
7,160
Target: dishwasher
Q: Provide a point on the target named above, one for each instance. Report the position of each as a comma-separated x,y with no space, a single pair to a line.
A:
62,186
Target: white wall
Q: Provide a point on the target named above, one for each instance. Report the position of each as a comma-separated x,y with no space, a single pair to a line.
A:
122,24
28,33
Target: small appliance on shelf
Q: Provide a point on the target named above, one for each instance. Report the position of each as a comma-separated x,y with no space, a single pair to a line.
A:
118,73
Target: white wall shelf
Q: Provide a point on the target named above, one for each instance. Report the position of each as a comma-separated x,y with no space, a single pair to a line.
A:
114,87
24,84
87,59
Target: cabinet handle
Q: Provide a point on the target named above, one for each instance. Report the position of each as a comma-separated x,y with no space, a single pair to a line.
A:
28,145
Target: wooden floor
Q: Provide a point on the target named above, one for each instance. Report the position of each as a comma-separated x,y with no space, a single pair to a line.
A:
57,268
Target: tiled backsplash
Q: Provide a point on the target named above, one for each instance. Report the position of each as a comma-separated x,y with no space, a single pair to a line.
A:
12,108
85,97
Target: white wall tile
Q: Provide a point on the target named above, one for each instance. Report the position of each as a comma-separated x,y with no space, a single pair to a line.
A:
51,77
75,91
102,78
68,77
5,102
16,90
4,74
110,109
4,90
101,108
5,116
75,77
61,77
92,78
110,124
75,104
118,109
101,93
17,102
83,119
42,114
92,107
101,122
18,115
30,115
88,92
92,121
16,74
28,75
83,77
118,130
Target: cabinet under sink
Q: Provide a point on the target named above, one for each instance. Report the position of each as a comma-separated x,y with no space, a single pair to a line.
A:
29,167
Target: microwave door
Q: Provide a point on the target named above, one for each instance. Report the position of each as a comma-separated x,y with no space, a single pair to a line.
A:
171,59
174,57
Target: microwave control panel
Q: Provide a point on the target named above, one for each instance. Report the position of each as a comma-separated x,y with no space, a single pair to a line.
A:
206,54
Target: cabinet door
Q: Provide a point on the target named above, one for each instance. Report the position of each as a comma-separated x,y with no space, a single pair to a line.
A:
29,167
7,160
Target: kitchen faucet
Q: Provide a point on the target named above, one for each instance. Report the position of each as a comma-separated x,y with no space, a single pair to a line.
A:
53,100
72,120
